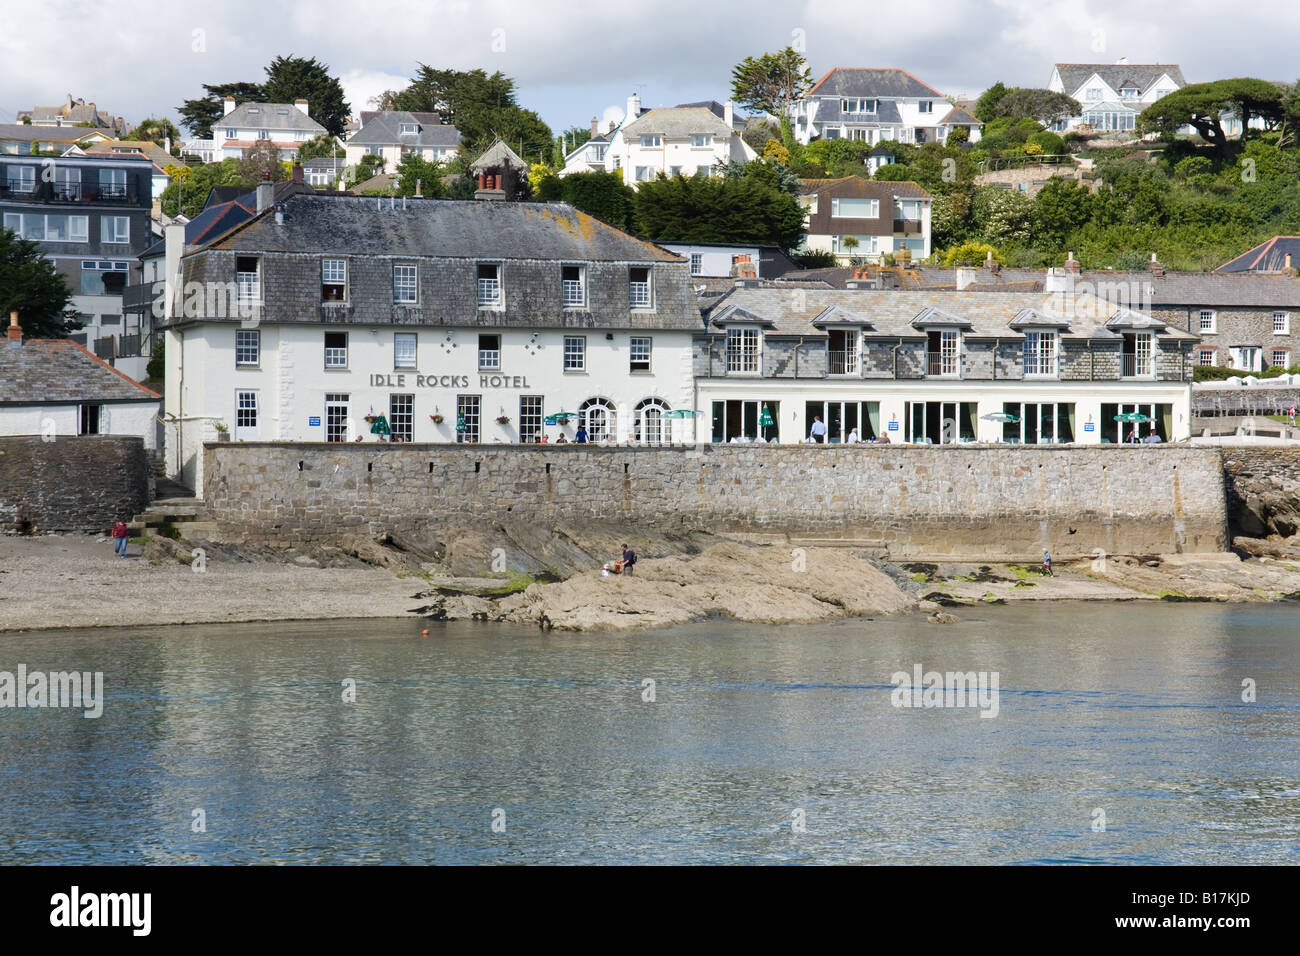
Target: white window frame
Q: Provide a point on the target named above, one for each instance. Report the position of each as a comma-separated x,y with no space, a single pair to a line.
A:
639,352
243,348
701,140
334,272
652,141
336,357
645,298
1273,355
25,180
573,292
1207,321
873,207
575,353
744,350
491,291
1041,356
109,231
401,416
697,263
1202,354
532,418
489,360
406,350
401,283
925,106
1281,323
241,396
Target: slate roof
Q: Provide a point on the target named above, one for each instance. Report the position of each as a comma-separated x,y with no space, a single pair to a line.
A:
828,111
876,188
332,163
677,122
901,313
472,229
871,81
1268,256
283,190
212,222
384,129
155,153
959,117
1142,76
268,116
59,371
47,134
499,154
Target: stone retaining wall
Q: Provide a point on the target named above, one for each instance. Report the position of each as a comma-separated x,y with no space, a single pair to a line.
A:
72,484
961,501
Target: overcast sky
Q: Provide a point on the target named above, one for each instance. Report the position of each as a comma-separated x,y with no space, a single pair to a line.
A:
576,59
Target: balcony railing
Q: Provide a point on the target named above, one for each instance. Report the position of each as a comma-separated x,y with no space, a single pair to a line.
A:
19,190
908,227
1137,366
489,358
842,363
942,364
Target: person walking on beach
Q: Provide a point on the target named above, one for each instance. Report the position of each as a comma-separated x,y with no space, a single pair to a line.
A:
629,559
818,432
119,539
1047,563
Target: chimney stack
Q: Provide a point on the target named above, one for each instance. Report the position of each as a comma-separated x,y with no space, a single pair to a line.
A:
15,330
297,171
633,107
230,105
595,126
1071,265
991,264
729,114
265,196
1288,261
302,105
1156,268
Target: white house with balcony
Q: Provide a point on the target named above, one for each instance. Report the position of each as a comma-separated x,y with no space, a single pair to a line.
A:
874,105
287,125
1112,94
674,141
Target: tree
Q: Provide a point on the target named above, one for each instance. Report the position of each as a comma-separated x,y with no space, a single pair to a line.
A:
712,209
774,152
1201,106
290,78
603,195
986,106
972,253
187,193
324,145
30,283
1002,216
771,83
199,115
481,107
158,131
1042,106
1061,207
261,163
429,175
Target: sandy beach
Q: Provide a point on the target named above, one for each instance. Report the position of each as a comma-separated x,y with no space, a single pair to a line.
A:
75,581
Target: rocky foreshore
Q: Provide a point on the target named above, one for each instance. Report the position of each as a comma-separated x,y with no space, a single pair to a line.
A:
553,580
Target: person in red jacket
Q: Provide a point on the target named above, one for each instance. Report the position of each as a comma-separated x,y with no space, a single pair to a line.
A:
119,538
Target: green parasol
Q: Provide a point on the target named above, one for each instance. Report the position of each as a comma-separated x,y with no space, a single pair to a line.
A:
460,424
559,418
1000,417
681,413
765,418
1132,417
380,426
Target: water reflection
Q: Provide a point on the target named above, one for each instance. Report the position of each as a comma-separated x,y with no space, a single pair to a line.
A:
1131,709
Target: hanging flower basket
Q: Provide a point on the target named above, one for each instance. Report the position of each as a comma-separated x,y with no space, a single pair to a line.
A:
436,419
503,419
370,419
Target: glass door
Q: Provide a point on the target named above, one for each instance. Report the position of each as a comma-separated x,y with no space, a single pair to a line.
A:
338,423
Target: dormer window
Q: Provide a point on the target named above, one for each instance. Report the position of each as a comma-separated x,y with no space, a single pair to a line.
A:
743,350
408,129
1040,354
254,109
857,106
1128,93
943,355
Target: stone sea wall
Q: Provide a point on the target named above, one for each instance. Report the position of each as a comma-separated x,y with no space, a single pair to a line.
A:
973,502
82,483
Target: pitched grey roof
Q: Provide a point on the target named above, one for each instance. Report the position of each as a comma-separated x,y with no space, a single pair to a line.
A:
57,371
46,134
384,129
1143,76
959,117
268,116
326,162
895,313
871,81
470,229
499,154
828,111
871,188
677,122
1268,256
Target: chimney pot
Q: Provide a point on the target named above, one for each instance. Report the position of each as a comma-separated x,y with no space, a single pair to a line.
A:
265,196
1288,261
15,330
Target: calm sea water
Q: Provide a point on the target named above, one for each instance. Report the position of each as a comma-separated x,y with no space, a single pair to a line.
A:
1134,710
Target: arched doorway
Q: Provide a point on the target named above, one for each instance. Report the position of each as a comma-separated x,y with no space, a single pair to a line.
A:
597,416
648,422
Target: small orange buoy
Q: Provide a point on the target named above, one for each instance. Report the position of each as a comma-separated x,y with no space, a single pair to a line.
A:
425,632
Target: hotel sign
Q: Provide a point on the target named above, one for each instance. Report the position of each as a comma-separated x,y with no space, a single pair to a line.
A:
398,380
